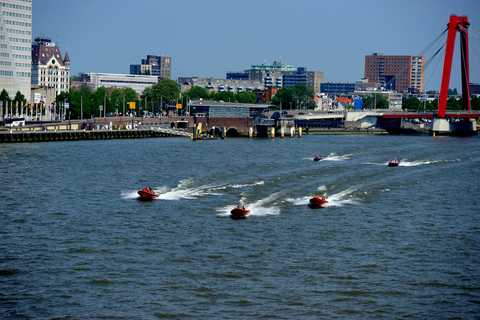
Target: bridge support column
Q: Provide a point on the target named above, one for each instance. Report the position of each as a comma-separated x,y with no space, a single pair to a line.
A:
442,126
223,132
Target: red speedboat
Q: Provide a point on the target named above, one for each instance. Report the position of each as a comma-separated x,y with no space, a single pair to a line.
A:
239,213
147,194
317,158
394,163
317,202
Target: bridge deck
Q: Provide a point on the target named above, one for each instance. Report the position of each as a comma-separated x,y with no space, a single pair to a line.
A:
457,114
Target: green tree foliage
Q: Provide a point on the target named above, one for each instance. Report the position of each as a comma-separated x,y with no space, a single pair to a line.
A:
86,90
19,98
297,97
246,97
411,103
116,96
165,91
196,93
452,104
4,97
475,103
453,92
284,98
375,101
225,96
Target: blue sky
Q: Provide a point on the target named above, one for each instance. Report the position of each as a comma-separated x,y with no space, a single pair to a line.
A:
211,37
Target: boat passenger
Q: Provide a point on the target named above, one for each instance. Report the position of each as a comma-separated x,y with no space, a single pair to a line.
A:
240,205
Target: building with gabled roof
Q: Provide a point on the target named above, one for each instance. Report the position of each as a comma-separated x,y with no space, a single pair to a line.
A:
49,68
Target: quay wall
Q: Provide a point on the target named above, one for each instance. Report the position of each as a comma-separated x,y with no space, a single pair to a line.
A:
72,135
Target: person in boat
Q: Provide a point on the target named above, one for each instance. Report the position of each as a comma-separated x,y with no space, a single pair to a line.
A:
240,205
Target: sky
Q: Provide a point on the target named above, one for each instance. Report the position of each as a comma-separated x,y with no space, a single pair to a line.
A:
212,37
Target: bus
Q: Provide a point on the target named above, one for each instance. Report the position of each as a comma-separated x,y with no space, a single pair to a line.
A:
14,122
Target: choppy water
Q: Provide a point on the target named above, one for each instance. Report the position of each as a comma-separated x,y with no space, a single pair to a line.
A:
391,243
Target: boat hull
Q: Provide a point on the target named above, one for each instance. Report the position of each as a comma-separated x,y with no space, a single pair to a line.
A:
317,202
239,213
145,195
393,164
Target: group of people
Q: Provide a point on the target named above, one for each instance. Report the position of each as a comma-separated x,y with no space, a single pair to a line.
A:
149,189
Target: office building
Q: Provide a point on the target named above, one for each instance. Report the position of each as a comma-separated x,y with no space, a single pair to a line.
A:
219,85
399,73
159,66
337,88
15,47
119,81
278,75
50,69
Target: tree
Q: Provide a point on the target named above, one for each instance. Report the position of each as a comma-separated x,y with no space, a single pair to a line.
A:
165,91
246,97
226,96
284,98
86,90
452,104
475,103
196,93
4,97
20,98
116,97
304,96
453,92
411,103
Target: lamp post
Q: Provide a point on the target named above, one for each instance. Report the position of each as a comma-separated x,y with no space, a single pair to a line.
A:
81,107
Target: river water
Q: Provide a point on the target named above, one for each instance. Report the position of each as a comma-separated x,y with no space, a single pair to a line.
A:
404,242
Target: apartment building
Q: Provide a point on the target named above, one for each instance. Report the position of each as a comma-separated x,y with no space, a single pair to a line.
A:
400,73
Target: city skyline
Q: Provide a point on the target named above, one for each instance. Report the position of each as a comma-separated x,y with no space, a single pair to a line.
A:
211,38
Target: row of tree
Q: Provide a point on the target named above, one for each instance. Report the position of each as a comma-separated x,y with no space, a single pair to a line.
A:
166,94
18,100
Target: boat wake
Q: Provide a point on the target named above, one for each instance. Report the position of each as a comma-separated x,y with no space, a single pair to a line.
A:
257,208
186,189
336,200
335,157
332,157
420,163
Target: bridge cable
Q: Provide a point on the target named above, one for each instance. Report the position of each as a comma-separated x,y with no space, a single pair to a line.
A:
475,35
432,43
422,53
436,66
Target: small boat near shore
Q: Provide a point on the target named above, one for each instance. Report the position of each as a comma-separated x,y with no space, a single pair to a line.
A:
147,194
394,163
317,202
